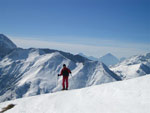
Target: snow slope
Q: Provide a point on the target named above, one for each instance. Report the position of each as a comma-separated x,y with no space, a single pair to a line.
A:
135,66
29,72
129,96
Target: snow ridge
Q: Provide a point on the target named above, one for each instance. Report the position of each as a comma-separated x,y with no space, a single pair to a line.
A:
135,66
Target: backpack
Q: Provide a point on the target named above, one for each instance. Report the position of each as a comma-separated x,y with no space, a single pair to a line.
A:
65,72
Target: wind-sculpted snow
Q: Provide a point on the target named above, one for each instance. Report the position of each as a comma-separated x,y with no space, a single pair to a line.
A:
135,66
129,96
29,72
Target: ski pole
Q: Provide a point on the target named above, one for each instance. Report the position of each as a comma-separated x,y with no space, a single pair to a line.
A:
57,80
71,76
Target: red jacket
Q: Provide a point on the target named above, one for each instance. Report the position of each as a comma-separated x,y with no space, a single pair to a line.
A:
64,70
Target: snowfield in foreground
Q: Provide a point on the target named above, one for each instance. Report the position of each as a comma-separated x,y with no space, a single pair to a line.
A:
129,96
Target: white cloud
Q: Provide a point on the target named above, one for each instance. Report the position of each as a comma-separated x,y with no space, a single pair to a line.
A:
120,49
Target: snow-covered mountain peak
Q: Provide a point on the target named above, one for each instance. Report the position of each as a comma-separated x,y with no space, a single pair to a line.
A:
134,66
136,59
44,66
109,55
6,45
109,59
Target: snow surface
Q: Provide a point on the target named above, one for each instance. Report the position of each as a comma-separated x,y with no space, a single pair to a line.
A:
128,96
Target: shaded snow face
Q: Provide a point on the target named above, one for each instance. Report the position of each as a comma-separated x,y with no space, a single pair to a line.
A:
6,45
28,72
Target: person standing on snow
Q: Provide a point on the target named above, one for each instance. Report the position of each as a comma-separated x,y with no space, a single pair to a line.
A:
65,73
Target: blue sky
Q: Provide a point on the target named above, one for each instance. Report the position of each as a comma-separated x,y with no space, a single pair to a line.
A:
96,24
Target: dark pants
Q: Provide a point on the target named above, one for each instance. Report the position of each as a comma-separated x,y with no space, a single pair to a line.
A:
65,82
